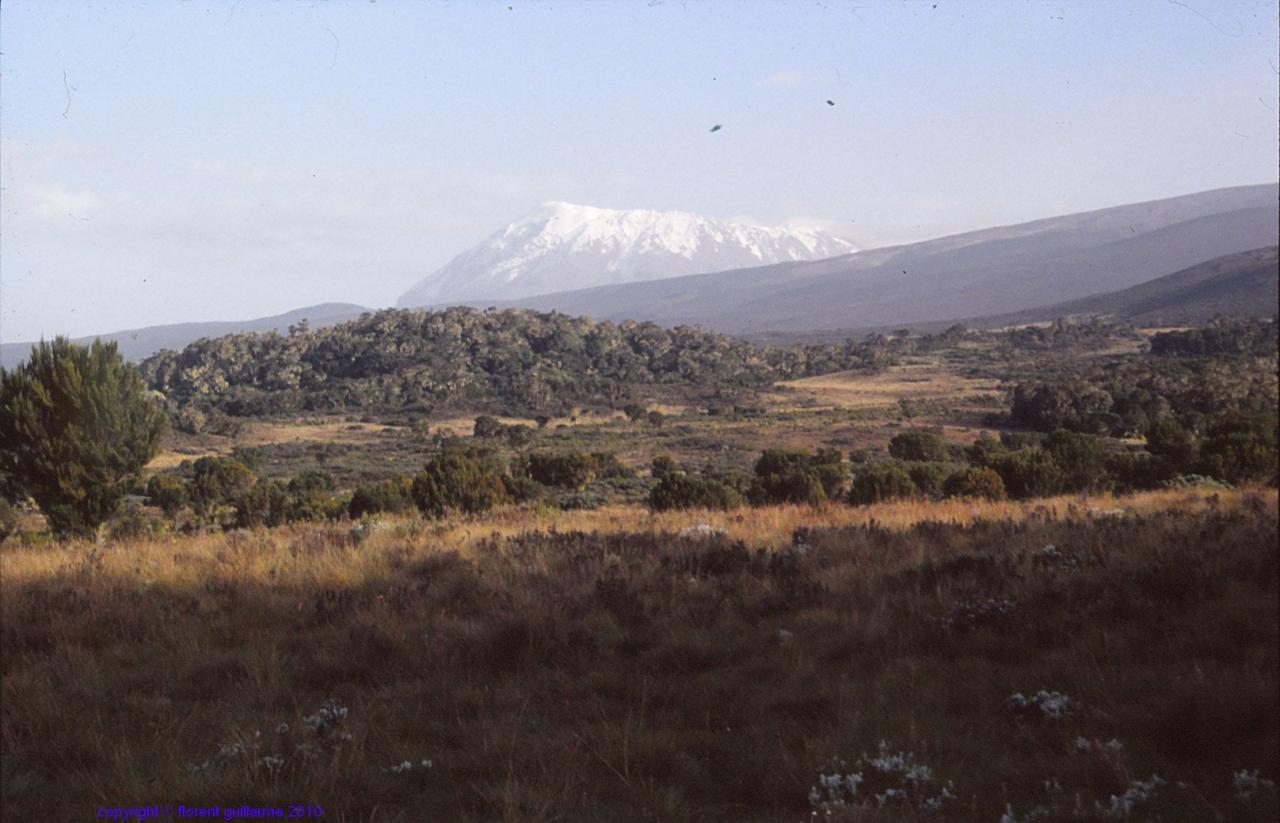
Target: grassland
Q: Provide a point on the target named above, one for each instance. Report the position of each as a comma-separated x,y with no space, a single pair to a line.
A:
530,665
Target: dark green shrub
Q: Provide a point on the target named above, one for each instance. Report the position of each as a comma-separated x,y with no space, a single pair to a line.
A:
1082,458
190,420
523,489
487,426
1015,441
265,504
517,435
457,481
77,425
1029,473
1131,471
975,482
635,412
1241,448
215,481
985,450
929,478
679,491
875,482
168,492
393,495
1075,405
1167,438
919,445
133,524
796,476
656,418
565,470
251,457
661,466
606,465
311,480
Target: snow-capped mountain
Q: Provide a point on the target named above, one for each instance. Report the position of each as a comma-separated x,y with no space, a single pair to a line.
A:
560,246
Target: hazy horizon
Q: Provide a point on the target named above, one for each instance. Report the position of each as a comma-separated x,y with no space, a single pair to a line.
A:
173,163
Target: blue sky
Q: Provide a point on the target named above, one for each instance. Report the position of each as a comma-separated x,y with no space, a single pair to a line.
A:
163,162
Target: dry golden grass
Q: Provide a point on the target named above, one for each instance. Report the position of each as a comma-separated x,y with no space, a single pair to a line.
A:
183,560
591,665
923,378
179,447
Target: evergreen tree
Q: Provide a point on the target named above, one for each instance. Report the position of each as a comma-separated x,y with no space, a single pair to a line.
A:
76,426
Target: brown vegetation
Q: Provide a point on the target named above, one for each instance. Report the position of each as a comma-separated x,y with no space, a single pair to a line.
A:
592,665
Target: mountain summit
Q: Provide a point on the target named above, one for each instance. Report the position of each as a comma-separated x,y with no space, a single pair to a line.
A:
561,246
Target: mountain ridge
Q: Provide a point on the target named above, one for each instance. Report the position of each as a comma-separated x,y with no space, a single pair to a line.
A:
981,273
562,246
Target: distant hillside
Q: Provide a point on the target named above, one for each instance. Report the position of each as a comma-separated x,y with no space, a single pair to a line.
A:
1244,285
514,361
977,274
136,344
1240,285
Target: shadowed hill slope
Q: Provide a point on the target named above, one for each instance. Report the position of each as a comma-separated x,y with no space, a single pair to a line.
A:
971,275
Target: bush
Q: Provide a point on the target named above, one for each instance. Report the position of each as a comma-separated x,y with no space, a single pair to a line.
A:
218,480
875,482
1082,458
311,480
929,478
661,466
1029,473
518,435
796,476
679,491
566,470
1021,440
190,420
457,481
1167,438
314,506
393,495
77,426
606,465
919,445
985,451
1241,448
522,489
167,492
656,419
1138,470
265,504
133,524
487,426
975,482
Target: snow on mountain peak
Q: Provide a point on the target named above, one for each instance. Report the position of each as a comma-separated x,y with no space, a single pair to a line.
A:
563,246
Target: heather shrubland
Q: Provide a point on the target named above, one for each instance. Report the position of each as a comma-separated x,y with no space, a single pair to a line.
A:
1067,658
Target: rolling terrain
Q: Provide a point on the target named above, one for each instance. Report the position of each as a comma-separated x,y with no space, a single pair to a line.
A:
976,274
1241,285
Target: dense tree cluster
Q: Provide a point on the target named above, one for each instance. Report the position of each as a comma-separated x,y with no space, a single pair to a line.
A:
1131,395
518,361
1250,338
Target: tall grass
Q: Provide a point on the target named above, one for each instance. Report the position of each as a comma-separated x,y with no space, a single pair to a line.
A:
531,665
